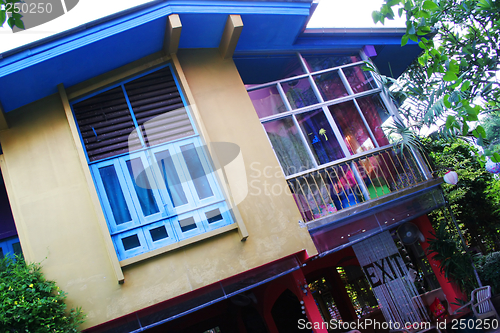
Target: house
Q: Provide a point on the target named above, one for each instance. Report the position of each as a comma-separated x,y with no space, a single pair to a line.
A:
194,166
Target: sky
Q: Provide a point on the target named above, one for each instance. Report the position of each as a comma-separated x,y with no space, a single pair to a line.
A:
329,14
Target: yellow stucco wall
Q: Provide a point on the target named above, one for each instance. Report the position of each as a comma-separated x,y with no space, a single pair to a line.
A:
59,227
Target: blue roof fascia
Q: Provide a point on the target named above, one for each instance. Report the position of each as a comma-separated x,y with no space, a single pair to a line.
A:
143,16
122,23
240,7
32,57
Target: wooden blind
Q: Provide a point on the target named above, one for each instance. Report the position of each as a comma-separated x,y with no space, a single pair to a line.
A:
107,126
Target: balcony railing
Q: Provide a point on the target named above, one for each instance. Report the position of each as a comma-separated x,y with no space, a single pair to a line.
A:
352,181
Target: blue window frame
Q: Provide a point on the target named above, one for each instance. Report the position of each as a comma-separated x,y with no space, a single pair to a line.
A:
10,246
163,189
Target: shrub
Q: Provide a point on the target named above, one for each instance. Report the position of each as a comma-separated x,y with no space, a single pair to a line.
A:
489,270
30,303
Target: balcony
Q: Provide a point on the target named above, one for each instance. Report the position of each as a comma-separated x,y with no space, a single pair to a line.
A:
358,183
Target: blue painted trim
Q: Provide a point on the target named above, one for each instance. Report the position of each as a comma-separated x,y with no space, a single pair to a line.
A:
30,57
119,83
183,98
74,42
134,120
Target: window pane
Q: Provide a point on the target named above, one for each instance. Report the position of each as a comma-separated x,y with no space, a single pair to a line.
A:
142,187
330,85
352,127
320,136
213,215
130,242
187,224
299,93
376,115
319,62
17,248
359,79
267,101
115,194
158,233
196,171
288,145
171,178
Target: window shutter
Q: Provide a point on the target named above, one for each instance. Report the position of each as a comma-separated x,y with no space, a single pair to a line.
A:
158,108
105,124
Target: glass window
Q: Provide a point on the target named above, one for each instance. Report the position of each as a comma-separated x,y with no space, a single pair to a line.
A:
171,178
288,145
196,171
320,136
376,116
330,85
160,194
267,101
114,194
318,62
358,79
142,186
299,93
352,127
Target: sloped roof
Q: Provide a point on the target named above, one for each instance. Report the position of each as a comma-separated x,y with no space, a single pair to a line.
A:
33,71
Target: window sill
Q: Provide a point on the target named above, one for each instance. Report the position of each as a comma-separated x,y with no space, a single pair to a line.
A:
177,245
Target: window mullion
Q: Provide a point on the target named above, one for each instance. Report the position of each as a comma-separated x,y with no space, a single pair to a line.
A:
372,136
137,128
304,140
303,63
336,131
346,83
283,96
315,89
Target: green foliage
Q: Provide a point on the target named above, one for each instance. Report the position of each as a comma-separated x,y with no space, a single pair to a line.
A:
30,303
455,263
491,125
489,270
10,11
452,84
475,200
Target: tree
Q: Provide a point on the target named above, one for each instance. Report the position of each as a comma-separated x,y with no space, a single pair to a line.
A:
453,82
491,124
11,12
475,206
30,303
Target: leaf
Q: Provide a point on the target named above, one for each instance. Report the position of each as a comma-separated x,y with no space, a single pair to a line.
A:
429,5
496,158
413,37
404,40
453,66
2,17
480,132
450,76
450,120
19,23
465,86
423,30
423,13
10,22
446,102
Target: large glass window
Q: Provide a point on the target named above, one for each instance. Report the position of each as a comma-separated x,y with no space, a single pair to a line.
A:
334,111
153,177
